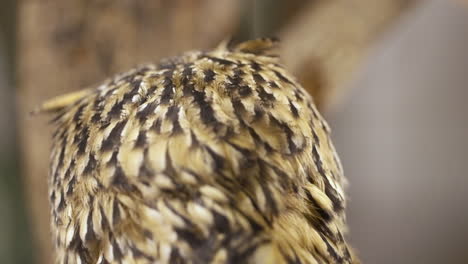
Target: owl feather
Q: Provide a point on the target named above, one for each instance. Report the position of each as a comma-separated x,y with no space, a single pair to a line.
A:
208,157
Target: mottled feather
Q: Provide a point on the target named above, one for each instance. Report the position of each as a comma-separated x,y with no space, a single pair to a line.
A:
209,157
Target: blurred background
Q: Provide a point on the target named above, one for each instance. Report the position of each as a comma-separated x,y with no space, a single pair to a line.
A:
391,76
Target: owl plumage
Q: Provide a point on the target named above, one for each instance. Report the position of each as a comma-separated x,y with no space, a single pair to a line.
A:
209,157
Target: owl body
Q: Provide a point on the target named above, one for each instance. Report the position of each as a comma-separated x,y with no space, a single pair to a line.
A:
210,157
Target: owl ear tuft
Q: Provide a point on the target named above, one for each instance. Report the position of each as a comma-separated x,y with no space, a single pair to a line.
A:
261,46
58,103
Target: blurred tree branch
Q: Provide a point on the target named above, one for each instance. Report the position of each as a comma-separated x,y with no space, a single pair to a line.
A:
325,43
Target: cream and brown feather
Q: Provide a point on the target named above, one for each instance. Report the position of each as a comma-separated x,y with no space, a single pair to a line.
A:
209,157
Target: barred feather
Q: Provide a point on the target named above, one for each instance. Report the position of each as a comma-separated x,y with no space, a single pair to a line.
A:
210,157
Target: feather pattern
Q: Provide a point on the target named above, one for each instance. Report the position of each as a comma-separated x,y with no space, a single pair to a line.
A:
210,157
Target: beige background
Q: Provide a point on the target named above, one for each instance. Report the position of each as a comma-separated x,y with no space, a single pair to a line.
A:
402,134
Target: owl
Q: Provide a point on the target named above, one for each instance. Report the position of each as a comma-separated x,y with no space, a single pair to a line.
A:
210,157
